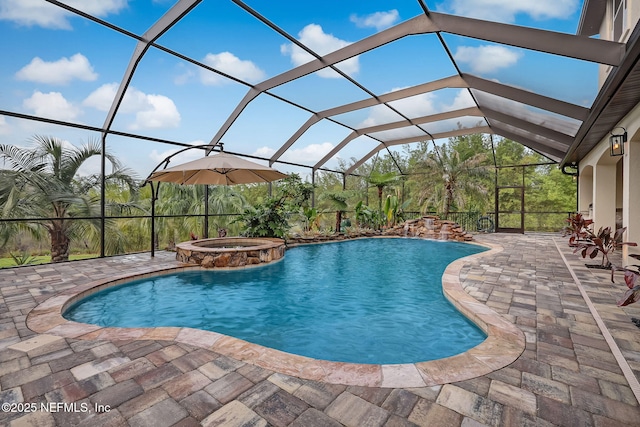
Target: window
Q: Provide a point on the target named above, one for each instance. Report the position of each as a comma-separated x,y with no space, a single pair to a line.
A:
619,15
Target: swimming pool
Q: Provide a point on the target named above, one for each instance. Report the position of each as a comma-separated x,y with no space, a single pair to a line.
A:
361,301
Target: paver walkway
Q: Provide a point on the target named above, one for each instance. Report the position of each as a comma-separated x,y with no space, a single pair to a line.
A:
567,375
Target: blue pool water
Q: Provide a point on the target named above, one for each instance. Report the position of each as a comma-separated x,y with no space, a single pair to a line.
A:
361,301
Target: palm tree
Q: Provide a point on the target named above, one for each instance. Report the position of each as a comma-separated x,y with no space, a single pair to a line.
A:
186,200
453,178
178,202
225,200
43,185
380,181
339,200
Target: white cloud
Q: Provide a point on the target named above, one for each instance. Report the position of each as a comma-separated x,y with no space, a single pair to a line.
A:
414,106
230,64
43,14
487,58
185,74
425,104
377,20
160,112
417,106
152,111
322,43
92,166
58,72
506,10
51,105
264,152
183,157
310,153
102,98
462,100
5,129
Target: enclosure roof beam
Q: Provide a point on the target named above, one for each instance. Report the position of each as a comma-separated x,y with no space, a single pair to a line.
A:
527,141
387,144
525,97
453,81
169,19
471,111
353,135
463,81
568,45
418,25
447,82
310,122
594,50
561,138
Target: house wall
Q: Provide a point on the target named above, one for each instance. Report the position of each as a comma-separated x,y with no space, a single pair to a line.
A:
612,184
632,16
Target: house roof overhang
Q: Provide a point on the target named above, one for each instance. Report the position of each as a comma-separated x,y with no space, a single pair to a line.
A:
591,17
619,94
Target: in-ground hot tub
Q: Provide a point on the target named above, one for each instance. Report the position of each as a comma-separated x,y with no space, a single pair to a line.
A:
222,252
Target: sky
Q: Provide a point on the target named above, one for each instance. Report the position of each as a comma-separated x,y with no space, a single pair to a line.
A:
64,67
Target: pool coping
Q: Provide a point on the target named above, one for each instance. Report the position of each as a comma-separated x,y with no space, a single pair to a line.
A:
505,342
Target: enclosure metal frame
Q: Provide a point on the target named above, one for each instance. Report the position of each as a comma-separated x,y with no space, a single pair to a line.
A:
619,94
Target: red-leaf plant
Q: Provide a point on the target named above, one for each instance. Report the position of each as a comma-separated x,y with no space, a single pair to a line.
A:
577,229
631,274
603,242
584,240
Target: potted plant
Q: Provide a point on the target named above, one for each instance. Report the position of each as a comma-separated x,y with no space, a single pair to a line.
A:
577,229
631,274
604,242
589,244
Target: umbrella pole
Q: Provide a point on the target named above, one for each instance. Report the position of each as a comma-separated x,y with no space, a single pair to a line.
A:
313,193
153,219
206,212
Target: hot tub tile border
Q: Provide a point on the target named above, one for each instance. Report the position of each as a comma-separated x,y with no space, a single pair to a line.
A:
504,344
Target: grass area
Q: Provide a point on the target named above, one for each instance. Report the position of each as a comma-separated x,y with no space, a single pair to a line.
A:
42,259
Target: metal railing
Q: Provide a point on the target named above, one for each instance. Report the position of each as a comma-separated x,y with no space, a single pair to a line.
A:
485,222
470,221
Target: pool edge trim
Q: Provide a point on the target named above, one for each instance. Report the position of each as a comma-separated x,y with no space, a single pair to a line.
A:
505,342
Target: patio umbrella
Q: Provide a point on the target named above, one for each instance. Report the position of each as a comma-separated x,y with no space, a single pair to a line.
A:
219,169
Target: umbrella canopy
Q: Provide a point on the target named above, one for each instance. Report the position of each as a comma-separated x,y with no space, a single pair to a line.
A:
219,169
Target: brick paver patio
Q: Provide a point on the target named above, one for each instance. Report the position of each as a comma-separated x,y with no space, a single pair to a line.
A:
567,375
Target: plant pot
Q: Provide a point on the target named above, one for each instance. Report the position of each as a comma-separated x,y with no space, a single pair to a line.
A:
598,266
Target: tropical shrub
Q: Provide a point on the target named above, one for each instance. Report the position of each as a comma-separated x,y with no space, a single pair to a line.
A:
589,244
603,242
312,218
631,274
394,210
577,229
271,217
22,258
367,217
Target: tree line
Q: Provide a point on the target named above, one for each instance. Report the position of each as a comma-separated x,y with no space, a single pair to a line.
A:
46,206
